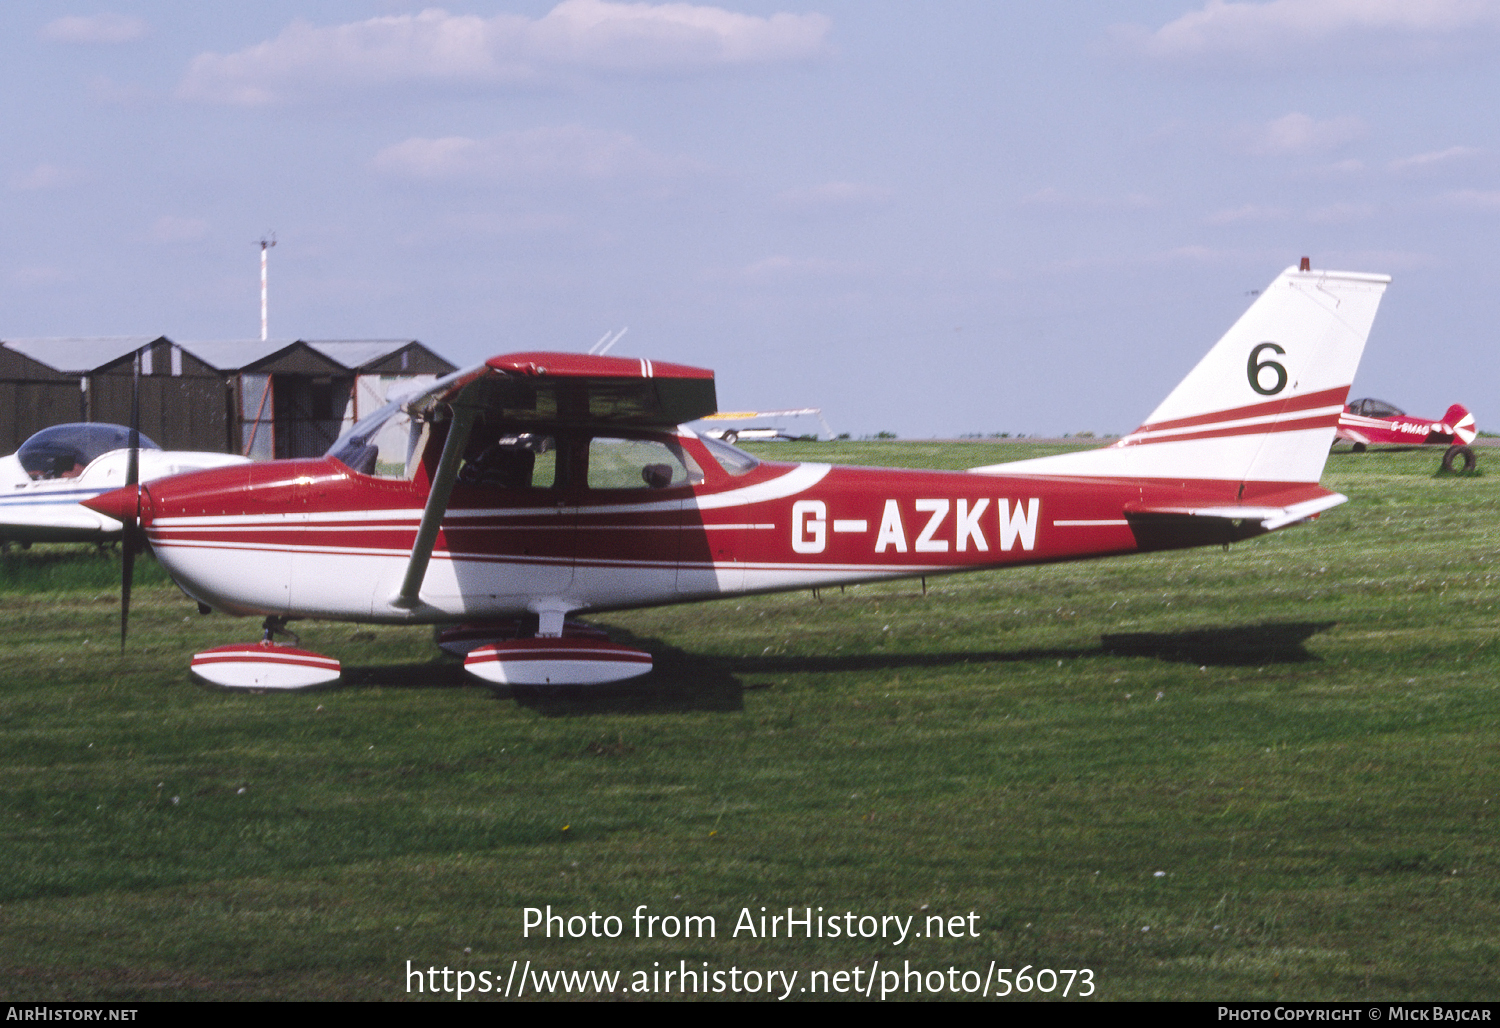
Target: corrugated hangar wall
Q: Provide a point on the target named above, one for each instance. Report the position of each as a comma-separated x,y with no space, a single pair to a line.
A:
186,411
33,396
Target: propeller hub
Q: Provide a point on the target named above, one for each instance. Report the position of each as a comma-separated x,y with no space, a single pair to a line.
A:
121,504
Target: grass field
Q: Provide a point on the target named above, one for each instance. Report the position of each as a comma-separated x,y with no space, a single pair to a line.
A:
1271,773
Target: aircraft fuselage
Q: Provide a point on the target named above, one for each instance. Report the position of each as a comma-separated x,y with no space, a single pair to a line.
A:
316,539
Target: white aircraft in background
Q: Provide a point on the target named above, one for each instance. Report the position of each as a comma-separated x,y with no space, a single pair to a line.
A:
760,433
44,483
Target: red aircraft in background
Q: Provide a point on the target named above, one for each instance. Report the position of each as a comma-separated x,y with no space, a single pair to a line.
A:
1371,422
510,496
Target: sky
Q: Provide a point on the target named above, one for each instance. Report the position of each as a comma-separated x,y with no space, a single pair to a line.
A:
927,219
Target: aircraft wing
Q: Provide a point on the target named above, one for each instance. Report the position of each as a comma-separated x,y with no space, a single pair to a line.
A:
599,390
36,521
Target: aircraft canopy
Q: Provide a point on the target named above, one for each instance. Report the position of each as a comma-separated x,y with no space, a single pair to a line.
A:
63,450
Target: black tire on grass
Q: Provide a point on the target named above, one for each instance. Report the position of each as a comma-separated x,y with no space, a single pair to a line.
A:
1462,455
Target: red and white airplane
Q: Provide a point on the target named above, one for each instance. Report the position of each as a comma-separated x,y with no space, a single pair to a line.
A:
535,486
1370,422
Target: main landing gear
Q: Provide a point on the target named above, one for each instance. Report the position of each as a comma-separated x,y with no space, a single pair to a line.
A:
265,665
548,651
576,655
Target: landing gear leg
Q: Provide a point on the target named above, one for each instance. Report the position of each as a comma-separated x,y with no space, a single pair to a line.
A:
275,625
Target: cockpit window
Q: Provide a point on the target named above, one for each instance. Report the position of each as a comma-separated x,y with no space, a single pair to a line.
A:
639,464
512,460
731,458
63,451
1373,408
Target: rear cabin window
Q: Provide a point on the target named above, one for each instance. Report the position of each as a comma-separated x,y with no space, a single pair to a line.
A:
639,464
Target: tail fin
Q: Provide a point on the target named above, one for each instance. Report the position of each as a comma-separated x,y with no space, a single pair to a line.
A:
1262,406
1461,422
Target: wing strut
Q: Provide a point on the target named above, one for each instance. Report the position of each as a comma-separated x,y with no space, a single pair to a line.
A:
437,505
131,536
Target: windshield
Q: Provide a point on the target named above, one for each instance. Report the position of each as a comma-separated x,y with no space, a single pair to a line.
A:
731,458
63,451
387,442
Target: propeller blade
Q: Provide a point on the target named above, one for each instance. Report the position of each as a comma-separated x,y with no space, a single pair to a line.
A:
125,578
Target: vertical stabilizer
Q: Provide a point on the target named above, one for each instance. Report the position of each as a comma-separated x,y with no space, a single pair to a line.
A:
1461,423
1263,405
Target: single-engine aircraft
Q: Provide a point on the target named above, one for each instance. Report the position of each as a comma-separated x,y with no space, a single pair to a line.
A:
534,486
44,483
1370,422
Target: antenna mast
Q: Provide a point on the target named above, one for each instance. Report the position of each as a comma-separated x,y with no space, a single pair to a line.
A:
266,242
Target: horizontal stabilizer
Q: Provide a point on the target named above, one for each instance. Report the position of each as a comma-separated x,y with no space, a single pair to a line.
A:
1177,526
1267,518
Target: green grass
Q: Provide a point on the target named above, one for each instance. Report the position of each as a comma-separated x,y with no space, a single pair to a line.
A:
1300,733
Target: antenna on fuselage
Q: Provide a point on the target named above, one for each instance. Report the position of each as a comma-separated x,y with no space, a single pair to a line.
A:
266,242
600,348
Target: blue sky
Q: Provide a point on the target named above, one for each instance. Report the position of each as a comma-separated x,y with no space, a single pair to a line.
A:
931,219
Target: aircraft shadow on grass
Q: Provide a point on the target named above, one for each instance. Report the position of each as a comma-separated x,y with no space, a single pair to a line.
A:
1279,642
683,682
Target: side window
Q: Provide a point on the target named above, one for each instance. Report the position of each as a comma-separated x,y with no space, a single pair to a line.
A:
520,460
639,464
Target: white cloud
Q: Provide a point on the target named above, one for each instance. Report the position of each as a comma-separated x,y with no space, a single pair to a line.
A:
1341,213
1472,199
1382,260
45,176
170,229
1057,199
38,277
782,266
1291,31
98,28
1423,161
1296,134
1340,169
1247,213
1190,254
833,195
540,154
437,47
